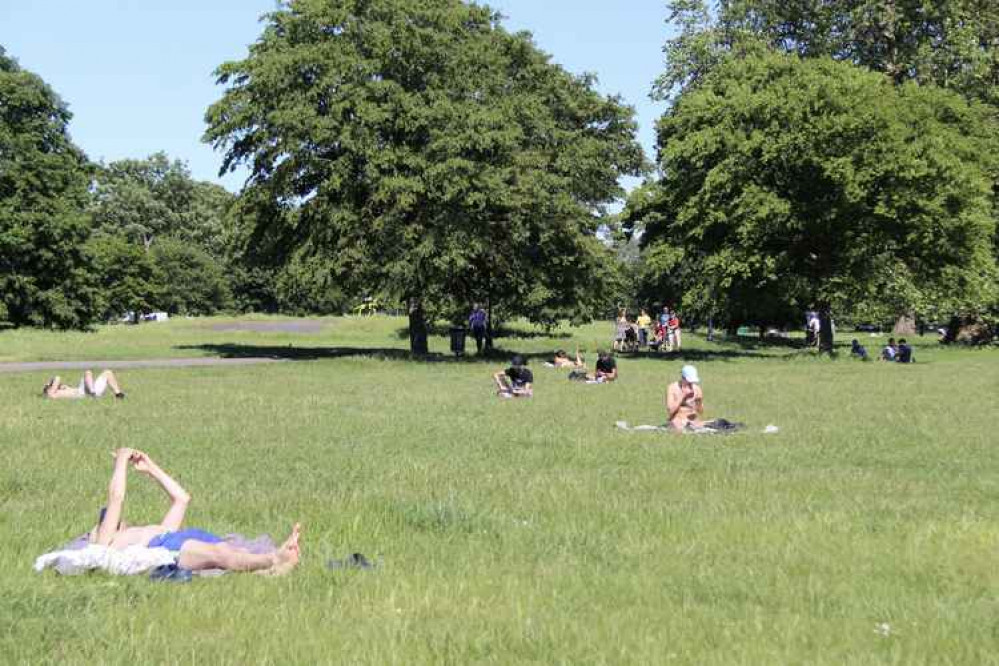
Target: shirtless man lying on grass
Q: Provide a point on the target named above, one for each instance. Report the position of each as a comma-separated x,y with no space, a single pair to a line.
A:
195,549
89,387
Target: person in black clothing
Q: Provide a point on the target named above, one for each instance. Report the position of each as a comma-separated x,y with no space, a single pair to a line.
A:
606,370
515,381
478,322
904,354
858,350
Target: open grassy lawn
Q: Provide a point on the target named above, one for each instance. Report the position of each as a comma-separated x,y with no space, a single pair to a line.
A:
866,531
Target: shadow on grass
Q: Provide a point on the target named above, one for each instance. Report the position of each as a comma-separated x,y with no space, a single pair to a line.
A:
291,353
495,355
444,331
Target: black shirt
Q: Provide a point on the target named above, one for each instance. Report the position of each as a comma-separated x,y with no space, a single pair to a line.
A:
904,354
520,375
606,364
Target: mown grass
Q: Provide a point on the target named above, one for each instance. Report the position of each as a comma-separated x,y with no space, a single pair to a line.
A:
518,531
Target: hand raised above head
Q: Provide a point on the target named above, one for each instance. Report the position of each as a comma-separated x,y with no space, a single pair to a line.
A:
141,462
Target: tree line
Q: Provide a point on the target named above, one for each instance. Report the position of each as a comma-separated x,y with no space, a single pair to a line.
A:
837,155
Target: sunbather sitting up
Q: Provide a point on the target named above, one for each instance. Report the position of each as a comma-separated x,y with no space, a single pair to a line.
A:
195,549
685,401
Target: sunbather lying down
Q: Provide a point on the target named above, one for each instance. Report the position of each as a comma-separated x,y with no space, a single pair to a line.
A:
195,549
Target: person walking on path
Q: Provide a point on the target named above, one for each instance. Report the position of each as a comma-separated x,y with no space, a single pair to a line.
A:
478,322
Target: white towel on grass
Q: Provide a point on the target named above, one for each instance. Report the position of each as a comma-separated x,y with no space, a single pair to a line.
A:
126,562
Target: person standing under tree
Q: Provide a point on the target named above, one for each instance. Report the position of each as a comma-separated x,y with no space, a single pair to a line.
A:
644,322
478,322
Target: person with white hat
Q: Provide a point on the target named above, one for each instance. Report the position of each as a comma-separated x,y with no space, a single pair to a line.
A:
685,400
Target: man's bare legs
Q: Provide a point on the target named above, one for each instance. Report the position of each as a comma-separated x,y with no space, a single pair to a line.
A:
96,386
197,555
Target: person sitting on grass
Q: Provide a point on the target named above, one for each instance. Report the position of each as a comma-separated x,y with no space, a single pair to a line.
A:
685,401
606,370
515,381
890,351
858,350
904,354
195,549
89,386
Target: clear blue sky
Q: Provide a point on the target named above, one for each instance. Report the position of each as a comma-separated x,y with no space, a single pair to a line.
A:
137,74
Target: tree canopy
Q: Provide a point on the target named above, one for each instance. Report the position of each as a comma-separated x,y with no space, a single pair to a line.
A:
789,182
952,44
420,150
45,276
146,199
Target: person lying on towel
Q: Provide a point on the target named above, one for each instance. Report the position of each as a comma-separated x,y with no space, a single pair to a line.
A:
195,549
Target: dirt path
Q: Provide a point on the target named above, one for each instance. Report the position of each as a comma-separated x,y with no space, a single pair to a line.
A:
145,363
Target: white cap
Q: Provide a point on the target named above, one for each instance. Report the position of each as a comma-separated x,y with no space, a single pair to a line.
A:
689,373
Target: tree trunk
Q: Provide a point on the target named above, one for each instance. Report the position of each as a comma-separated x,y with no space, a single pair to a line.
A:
417,328
711,329
489,323
905,325
825,330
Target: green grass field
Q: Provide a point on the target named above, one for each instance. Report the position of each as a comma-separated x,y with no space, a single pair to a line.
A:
866,531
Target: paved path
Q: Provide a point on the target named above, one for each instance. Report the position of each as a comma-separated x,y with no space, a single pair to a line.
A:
147,363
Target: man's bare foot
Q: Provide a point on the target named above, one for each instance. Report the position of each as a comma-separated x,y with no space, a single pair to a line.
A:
287,555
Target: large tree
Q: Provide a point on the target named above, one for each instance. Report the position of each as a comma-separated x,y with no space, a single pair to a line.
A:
45,272
789,182
420,150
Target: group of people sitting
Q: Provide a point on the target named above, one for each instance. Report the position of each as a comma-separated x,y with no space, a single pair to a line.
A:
634,333
897,353
684,398
517,381
900,352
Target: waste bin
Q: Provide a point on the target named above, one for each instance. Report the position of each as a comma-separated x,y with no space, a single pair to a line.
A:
458,334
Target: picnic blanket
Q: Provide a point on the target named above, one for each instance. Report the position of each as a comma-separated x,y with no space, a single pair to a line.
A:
715,427
78,557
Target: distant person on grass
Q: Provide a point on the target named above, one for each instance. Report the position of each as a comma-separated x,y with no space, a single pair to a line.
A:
195,549
478,321
621,328
890,352
904,354
515,381
606,369
858,350
562,360
89,387
644,322
674,333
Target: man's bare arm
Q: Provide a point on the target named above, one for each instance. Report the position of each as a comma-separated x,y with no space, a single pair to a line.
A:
179,498
116,498
673,400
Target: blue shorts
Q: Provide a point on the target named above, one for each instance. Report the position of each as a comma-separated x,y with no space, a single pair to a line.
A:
175,540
